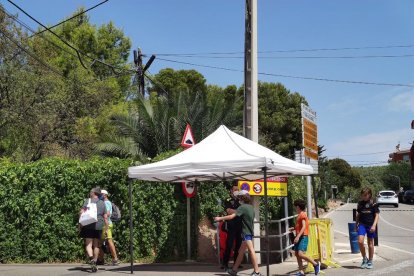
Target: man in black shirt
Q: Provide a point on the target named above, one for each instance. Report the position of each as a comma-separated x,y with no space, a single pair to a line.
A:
233,227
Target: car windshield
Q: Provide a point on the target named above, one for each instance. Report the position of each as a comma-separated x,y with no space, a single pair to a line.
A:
409,192
387,193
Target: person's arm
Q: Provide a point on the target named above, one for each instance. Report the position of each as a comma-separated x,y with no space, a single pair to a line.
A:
356,222
374,226
228,217
230,211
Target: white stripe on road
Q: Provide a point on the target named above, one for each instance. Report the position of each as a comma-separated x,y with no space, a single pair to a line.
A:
391,269
382,245
402,228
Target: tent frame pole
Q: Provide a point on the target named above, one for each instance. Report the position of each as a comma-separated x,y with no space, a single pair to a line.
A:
131,227
266,221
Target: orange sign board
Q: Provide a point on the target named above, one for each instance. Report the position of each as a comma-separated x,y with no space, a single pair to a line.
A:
310,154
310,135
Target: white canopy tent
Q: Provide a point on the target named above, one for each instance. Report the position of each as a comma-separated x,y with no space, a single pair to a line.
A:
222,155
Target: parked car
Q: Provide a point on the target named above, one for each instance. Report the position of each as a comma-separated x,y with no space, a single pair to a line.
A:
409,196
387,198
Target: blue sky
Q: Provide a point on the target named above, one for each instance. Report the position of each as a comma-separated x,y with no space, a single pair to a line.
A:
360,123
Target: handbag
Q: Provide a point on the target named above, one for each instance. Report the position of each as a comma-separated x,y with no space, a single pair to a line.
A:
90,215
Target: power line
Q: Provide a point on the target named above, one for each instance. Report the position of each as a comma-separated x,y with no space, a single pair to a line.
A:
42,62
78,52
21,23
289,51
301,57
64,21
293,77
358,154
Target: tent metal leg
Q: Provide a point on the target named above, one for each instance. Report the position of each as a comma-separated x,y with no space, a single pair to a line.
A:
131,228
266,222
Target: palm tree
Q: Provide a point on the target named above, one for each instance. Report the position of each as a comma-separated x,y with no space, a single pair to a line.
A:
156,124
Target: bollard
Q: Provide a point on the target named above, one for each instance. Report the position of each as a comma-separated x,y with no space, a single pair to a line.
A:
353,238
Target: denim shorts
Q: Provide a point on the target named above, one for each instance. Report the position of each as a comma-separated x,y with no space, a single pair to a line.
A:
302,244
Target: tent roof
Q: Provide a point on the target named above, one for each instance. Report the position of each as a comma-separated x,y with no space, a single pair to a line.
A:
223,154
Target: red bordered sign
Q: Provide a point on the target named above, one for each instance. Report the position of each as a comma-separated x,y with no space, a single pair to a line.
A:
189,189
188,138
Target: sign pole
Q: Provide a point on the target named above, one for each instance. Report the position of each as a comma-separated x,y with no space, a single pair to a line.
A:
188,230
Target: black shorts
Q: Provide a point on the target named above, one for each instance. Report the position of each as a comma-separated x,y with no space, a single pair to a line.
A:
88,233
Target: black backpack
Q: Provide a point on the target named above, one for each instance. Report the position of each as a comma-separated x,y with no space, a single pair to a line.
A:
116,213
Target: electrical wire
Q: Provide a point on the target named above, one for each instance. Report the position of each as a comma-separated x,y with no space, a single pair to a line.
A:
64,21
290,76
289,51
78,52
369,153
302,57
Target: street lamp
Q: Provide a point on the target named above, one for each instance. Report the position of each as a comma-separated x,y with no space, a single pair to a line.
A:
399,182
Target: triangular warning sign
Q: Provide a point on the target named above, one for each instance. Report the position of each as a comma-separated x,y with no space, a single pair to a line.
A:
188,138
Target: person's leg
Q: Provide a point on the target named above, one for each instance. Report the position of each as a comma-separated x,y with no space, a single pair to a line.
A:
250,247
111,246
361,236
369,264
371,248
238,239
96,247
88,248
240,256
229,247
300,262
362,246
302,256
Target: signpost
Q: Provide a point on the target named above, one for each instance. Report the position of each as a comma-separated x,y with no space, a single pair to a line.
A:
310,147
189,188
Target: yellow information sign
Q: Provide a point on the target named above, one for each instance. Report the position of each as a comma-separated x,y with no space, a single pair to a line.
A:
274,187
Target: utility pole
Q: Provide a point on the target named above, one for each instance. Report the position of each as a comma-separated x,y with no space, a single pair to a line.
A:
250,116
141,69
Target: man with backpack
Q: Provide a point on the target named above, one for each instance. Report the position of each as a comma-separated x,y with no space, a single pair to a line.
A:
113,215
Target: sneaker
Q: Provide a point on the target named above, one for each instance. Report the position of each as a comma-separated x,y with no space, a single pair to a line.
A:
256,274
100,262
300,274
115,262
317,267
370,265
93,266
231,272
364,263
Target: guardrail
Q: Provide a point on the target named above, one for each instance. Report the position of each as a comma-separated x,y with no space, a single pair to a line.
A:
288,245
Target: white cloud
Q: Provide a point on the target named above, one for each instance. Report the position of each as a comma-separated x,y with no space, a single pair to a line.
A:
345,107
373,147
402,102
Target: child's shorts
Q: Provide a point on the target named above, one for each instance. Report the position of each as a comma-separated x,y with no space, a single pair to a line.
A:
302,244
247,237
364,230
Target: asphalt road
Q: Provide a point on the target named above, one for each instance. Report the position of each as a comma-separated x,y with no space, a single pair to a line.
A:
395,227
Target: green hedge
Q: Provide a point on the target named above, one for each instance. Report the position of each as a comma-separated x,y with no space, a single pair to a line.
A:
40,203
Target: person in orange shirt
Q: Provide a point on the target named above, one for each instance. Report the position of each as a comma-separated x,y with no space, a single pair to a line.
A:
301,240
